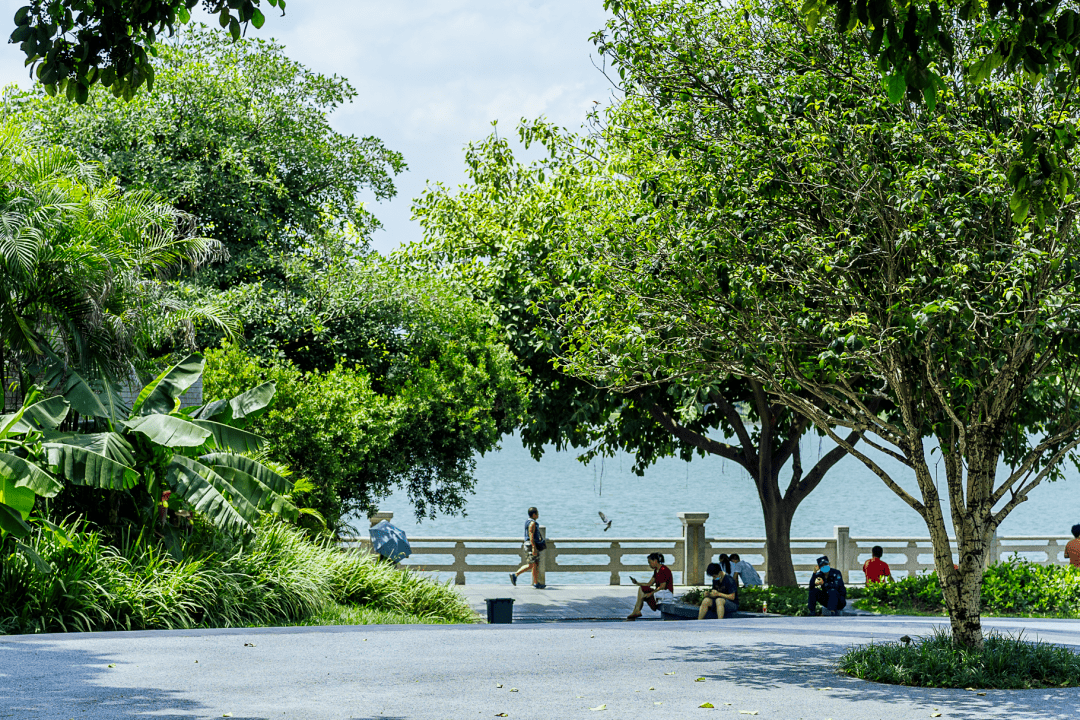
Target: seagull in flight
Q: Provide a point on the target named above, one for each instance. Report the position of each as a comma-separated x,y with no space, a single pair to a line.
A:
605,521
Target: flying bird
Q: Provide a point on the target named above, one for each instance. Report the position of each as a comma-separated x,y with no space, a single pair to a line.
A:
607,523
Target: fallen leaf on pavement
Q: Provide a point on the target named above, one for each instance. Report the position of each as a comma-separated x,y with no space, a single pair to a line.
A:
498,685
652,688
249,644
501,715
700,680
513,689
706,705
226,714
935,714
670,673
112,664
658,703
599,707
748,712
980,693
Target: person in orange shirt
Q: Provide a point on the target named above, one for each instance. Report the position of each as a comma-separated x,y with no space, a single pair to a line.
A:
875,568
1072,550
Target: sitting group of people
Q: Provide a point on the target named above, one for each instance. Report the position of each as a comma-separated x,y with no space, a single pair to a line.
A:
826,587
721,600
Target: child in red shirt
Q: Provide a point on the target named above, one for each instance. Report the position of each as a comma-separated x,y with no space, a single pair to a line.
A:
875,568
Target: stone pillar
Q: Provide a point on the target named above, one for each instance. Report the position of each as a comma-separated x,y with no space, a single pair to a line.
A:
693,525
378,517
616,563
846,552
545,555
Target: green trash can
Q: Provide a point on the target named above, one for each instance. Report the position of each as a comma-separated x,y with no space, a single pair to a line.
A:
500,610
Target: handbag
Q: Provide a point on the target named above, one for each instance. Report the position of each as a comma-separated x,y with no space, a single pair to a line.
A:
541,543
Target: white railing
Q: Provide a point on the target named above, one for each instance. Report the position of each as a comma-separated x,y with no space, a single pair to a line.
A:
616,557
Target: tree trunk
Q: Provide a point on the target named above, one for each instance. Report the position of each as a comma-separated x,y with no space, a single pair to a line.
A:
779,570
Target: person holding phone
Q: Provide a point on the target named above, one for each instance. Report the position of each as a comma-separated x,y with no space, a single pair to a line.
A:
657,590
826,588
721,598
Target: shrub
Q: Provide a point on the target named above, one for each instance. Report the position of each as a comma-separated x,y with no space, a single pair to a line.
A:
281,577
1005,662
1014,587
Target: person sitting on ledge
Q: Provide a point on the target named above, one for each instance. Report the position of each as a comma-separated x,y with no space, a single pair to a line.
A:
1072,550
827,588
657,590
721,598
875,568
742,570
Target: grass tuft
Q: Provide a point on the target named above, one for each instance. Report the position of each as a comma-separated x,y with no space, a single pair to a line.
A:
1005,662
281,577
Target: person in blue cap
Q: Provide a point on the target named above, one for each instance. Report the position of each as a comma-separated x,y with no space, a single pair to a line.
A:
826,588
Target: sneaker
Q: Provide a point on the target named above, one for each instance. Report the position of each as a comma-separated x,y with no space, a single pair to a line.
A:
513,579
539,586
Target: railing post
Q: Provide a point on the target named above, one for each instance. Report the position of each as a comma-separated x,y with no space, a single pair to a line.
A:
545,555
693,524
378,517
459,563
845,553
616,563
993,552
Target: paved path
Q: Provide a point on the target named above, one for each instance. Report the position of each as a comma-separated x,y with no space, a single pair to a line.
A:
780,668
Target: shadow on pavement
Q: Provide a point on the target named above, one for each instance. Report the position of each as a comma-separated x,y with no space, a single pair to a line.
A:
50,680
771,666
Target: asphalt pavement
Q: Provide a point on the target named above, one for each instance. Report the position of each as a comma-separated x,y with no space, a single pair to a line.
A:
745,667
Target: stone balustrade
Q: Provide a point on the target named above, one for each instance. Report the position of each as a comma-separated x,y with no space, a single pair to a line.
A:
690,553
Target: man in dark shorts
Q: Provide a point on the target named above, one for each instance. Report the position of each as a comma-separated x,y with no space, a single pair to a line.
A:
533,548
721,597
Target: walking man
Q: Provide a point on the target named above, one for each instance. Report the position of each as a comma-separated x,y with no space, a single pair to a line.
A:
827,588
534,545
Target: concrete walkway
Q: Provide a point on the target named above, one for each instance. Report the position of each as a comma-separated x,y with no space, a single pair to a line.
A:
766,668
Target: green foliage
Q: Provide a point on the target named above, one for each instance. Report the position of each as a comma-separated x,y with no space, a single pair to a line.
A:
281,577
1016,587
452,395
82,263
237,136
1004,662
74,44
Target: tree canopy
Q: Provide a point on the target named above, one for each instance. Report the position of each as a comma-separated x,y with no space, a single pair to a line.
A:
71,45
809,234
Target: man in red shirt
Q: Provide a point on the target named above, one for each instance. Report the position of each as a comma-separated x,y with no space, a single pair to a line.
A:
875,568
1072,550
657,590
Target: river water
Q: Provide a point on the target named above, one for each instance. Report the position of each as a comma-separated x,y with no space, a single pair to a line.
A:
569,495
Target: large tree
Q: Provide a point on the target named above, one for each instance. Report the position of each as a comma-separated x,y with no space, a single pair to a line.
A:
819,239
500,234
237,135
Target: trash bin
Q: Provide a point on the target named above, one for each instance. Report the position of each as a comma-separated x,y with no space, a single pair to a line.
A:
500,610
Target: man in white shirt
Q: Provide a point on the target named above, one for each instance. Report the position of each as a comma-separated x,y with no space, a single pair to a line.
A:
740,569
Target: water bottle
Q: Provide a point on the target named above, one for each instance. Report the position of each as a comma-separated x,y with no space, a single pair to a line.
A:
764,606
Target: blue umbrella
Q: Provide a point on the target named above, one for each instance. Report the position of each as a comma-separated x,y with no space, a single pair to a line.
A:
390,541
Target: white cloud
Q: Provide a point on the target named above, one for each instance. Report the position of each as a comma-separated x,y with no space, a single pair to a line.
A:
432,75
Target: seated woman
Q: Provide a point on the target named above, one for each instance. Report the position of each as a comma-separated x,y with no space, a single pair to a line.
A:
657,590
721,596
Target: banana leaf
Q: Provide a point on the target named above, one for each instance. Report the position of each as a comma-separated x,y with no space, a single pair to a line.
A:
211,495
169,430
101,460
11,521
259,495
245,406
226,437
43,415
252,467
84,399
25,475
161,394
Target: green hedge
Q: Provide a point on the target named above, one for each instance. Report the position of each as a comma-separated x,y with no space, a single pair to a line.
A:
1015,587
280,577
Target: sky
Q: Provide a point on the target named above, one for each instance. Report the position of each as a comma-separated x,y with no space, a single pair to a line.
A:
431,75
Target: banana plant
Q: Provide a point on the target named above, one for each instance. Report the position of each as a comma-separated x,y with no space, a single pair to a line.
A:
201,454
22,475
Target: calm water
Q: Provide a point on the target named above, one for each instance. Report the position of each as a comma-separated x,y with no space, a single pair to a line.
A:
569,494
